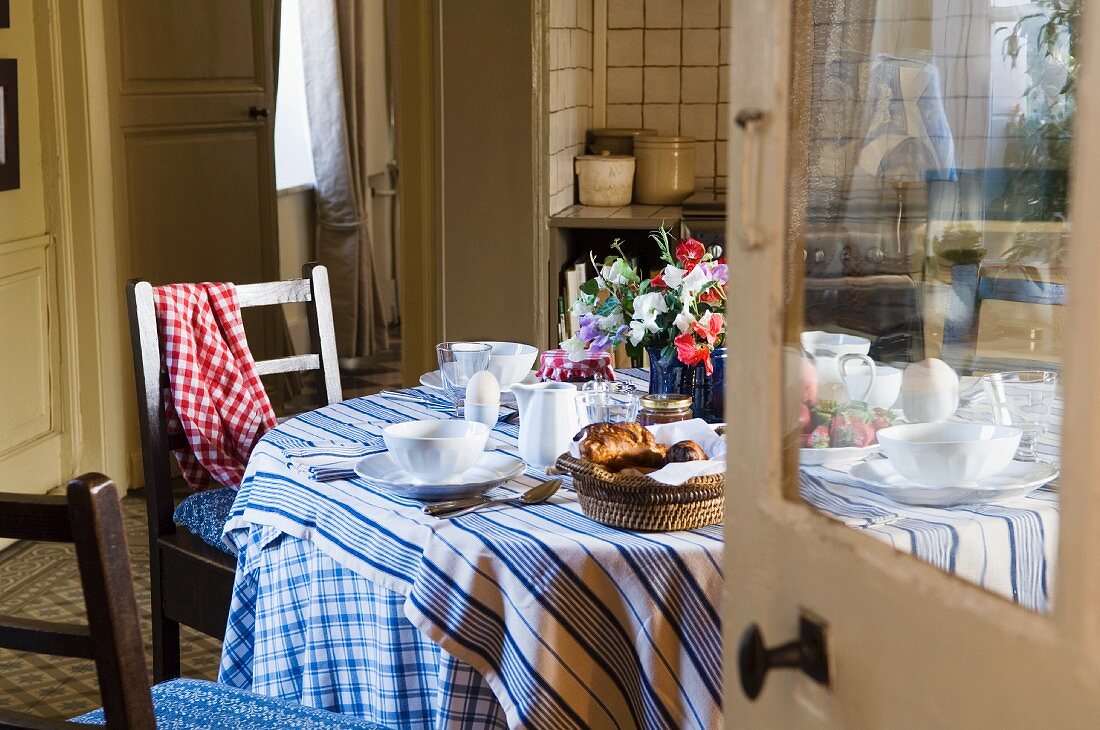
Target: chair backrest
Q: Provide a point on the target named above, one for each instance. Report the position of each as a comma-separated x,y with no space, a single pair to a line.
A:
91,517
972,284
150,379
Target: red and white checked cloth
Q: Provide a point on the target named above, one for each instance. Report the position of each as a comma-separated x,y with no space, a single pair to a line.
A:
215,397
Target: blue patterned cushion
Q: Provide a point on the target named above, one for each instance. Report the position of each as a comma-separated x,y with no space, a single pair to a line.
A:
188,704
205,513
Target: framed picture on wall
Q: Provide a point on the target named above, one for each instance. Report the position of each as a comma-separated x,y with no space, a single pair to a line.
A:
5,13
9,125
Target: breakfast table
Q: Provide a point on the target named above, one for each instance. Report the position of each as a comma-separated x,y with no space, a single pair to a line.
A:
352,599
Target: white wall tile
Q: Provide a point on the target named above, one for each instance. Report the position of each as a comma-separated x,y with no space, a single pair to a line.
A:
723,130
584,14
624,47
723,83
625,14
662,13
662,47
721,158
704,159
725,39
699,84
624,115
700,13
698,120
700,47
662,85
727,13
624,85
662,117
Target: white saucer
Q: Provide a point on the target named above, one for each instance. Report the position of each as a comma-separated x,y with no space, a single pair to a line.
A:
492,468
840,456
1019,479
434,381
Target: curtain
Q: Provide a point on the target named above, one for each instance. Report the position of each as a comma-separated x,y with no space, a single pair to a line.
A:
335,63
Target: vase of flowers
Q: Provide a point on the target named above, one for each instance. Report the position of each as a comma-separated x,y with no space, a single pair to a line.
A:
677,316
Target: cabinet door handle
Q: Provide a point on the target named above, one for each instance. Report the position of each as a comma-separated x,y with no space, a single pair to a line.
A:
808,652
750,121
257,112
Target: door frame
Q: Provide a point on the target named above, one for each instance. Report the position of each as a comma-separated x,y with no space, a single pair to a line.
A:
79,202
416,123
909,644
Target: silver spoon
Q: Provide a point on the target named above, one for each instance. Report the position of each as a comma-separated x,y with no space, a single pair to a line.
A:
454,508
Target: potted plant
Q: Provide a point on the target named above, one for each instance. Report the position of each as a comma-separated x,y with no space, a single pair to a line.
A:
677,317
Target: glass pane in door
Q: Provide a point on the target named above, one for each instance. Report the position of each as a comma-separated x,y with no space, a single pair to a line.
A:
929,230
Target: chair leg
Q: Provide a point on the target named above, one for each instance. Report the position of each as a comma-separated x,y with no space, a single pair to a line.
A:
166,646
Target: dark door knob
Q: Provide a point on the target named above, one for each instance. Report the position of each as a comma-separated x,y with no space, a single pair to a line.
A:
257,112
806,653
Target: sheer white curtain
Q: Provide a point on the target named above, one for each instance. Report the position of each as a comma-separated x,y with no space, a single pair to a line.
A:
335,59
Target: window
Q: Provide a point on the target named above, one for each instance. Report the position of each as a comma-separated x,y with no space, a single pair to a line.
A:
293,153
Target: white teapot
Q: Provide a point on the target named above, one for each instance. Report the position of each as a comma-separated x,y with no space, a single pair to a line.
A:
547,421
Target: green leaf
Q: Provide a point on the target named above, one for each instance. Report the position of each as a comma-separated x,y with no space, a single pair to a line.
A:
590,287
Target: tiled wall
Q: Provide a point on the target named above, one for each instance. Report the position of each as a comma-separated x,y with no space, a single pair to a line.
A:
667,67
570,52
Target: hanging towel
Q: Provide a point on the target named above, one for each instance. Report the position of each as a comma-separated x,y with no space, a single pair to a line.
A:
214,395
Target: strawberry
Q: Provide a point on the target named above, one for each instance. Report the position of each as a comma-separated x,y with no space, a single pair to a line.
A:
863,434
881,419
804,419
818,438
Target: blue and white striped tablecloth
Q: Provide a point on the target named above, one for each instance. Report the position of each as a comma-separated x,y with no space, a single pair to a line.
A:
350,599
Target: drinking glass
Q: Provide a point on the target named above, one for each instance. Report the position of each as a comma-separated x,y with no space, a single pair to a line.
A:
610,406
458,361
1025,399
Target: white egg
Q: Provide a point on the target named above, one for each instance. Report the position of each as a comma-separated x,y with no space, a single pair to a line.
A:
929,376
929,391
483,389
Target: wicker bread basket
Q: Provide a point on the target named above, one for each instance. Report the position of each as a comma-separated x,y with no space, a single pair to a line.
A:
641,503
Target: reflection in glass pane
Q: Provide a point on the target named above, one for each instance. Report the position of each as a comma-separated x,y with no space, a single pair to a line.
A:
930,223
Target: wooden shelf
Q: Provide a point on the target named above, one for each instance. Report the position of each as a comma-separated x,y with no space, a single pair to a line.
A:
627,217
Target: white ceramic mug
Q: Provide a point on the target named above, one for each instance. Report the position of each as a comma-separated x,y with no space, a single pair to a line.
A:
881,391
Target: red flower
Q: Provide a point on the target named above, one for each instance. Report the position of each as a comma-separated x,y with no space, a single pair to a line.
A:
712,295
711,331
690,252
691,352
658,280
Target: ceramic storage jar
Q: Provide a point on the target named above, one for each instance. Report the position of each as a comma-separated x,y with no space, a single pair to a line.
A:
665,169
616,140
604,180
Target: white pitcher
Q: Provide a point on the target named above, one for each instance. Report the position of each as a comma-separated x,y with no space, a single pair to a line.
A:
832,377
547,421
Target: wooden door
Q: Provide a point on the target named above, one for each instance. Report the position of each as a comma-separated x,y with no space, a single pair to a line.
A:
195,164
906,643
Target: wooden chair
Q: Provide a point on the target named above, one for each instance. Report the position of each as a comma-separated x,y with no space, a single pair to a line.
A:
973,284
192,582
91,517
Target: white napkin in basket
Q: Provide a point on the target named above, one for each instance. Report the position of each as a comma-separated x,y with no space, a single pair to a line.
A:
697,430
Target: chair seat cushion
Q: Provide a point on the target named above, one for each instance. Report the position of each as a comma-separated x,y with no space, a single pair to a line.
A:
204,513
187,704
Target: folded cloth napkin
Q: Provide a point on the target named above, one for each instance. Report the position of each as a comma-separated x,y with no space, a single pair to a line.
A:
326,463
697,430
214,395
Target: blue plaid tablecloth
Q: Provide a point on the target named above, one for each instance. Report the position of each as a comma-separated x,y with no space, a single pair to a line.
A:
350,599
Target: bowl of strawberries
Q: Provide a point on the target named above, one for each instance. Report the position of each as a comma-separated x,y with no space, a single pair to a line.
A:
838,434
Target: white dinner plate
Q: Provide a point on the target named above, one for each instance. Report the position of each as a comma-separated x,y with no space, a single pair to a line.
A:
833,458
492,468
1019,479
434,380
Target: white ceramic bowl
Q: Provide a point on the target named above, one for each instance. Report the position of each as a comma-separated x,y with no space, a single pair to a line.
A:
435,450
510,362
949,454
834,344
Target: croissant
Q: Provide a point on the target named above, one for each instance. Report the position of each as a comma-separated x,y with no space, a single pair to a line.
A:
616,446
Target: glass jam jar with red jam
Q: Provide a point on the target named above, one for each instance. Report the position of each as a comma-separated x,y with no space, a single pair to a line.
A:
556,365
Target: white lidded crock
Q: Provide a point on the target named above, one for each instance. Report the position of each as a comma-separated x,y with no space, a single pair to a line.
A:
666,169
605,180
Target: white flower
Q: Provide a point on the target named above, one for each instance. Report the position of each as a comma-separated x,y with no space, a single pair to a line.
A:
617,273
611,322
684,320
583,305
647,307
672,276
637,332
696,280
576,349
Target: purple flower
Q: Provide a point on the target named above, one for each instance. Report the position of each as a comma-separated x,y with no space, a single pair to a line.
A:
589,329
716,272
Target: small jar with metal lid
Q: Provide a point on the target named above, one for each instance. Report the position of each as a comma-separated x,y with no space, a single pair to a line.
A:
668,408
